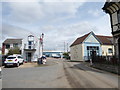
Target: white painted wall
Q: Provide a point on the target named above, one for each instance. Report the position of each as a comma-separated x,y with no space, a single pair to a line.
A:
0,52
76,52
114,21
105,50
114,18
36,54
91,39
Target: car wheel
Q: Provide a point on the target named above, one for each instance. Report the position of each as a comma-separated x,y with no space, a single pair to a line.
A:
22,63
18,64
5,66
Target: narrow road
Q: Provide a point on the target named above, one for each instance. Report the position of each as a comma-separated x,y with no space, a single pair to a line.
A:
58,73
81,76
50,76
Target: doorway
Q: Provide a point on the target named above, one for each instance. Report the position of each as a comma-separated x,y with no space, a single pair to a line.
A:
29,56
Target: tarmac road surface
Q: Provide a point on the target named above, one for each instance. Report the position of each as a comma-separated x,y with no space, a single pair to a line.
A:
82,76
58,73
50,76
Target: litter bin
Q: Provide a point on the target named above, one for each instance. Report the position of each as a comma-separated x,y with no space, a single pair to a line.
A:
40,61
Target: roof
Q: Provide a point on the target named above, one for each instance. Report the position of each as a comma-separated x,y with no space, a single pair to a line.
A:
110,3
11,41
80,40
105,40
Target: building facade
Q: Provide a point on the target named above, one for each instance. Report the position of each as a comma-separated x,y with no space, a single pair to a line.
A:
31,48
52,53
82,48
112,7
11,43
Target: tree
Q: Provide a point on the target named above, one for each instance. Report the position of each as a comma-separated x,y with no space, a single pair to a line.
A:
66,55
14,51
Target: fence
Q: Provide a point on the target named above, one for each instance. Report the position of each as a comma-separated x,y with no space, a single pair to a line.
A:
111,60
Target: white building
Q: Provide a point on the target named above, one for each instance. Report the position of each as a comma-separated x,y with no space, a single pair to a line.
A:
82,48
11,43
51,53
31,48
112,7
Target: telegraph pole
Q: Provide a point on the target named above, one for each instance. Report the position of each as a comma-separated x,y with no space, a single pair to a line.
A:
67,47
42,43
39,46
64,47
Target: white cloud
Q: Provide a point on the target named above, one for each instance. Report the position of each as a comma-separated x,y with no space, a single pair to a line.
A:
53,0
94,12
103,25
13,31
56,36
26,12
31,12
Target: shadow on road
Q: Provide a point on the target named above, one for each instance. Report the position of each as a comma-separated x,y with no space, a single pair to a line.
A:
82,66
86,68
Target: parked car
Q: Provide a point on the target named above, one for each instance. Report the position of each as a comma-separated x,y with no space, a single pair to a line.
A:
14,60
56,56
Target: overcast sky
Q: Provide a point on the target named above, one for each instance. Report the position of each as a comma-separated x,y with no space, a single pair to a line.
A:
61,21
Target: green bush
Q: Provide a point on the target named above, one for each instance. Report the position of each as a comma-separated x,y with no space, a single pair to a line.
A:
66,55
14,51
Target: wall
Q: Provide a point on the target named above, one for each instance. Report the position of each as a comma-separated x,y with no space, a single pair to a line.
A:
105,50
35,54
105,67
6,51
11,46
91,44
90,41
114,21
77,52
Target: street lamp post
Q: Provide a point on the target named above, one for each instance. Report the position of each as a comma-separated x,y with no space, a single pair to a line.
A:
39,46
42,43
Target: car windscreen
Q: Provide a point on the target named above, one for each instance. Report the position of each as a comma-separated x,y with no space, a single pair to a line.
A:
11,57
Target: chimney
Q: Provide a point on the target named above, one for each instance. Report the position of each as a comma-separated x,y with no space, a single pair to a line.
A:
3,49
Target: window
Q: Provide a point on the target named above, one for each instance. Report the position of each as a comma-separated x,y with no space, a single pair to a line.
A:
29,47
30,43
87,48
19,57
92,48
97,48
15,45
110,50
119,16
7,46
11,57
